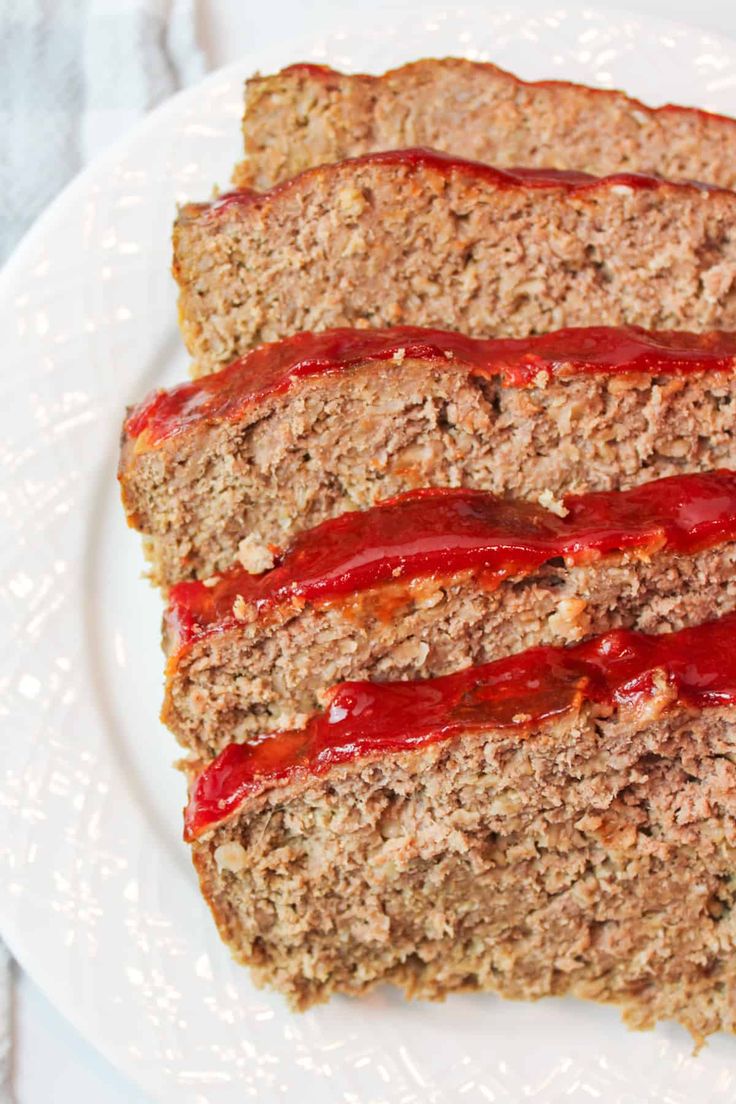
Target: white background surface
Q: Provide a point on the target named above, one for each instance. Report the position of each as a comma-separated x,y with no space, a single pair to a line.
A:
53,1065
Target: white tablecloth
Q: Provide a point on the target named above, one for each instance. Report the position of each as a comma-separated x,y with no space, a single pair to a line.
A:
53,1065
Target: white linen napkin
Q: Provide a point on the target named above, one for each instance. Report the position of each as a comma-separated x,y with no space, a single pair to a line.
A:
75,75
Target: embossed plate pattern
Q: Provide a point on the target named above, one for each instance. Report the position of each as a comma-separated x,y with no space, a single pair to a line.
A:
97,898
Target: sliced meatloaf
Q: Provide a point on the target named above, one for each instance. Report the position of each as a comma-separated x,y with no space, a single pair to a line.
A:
432,582
307,429
558,822
307,115
416,237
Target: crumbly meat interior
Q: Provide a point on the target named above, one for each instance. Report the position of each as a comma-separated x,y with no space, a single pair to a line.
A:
261,678
344,442
294,120
381,244
594,857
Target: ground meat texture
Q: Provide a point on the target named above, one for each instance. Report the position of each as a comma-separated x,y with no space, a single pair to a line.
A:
307,115
268,674
594,856
343,441
413,237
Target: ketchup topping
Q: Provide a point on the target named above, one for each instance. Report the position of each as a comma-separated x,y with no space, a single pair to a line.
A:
419,157
276,368
329,75
620,669
441,532
446,164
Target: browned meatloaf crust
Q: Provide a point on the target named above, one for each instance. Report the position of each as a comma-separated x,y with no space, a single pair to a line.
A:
433,582
415,237
307,115
317,425
561,822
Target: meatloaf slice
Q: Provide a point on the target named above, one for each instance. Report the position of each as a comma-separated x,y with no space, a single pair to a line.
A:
559,822
316,425
416,237
432,582
307,115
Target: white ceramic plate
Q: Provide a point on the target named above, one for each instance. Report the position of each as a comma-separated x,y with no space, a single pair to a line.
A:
97,897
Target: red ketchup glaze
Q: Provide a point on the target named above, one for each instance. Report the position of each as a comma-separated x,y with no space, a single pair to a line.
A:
440,532
366,719
276,368
418,157
326,74
314,69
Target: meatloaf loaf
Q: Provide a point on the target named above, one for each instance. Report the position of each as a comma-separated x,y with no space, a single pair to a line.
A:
307,115
416,237
307,429
558,822
432,582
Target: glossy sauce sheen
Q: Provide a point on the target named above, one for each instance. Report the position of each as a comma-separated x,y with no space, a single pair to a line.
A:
445,164
366,719
442,532
275,369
